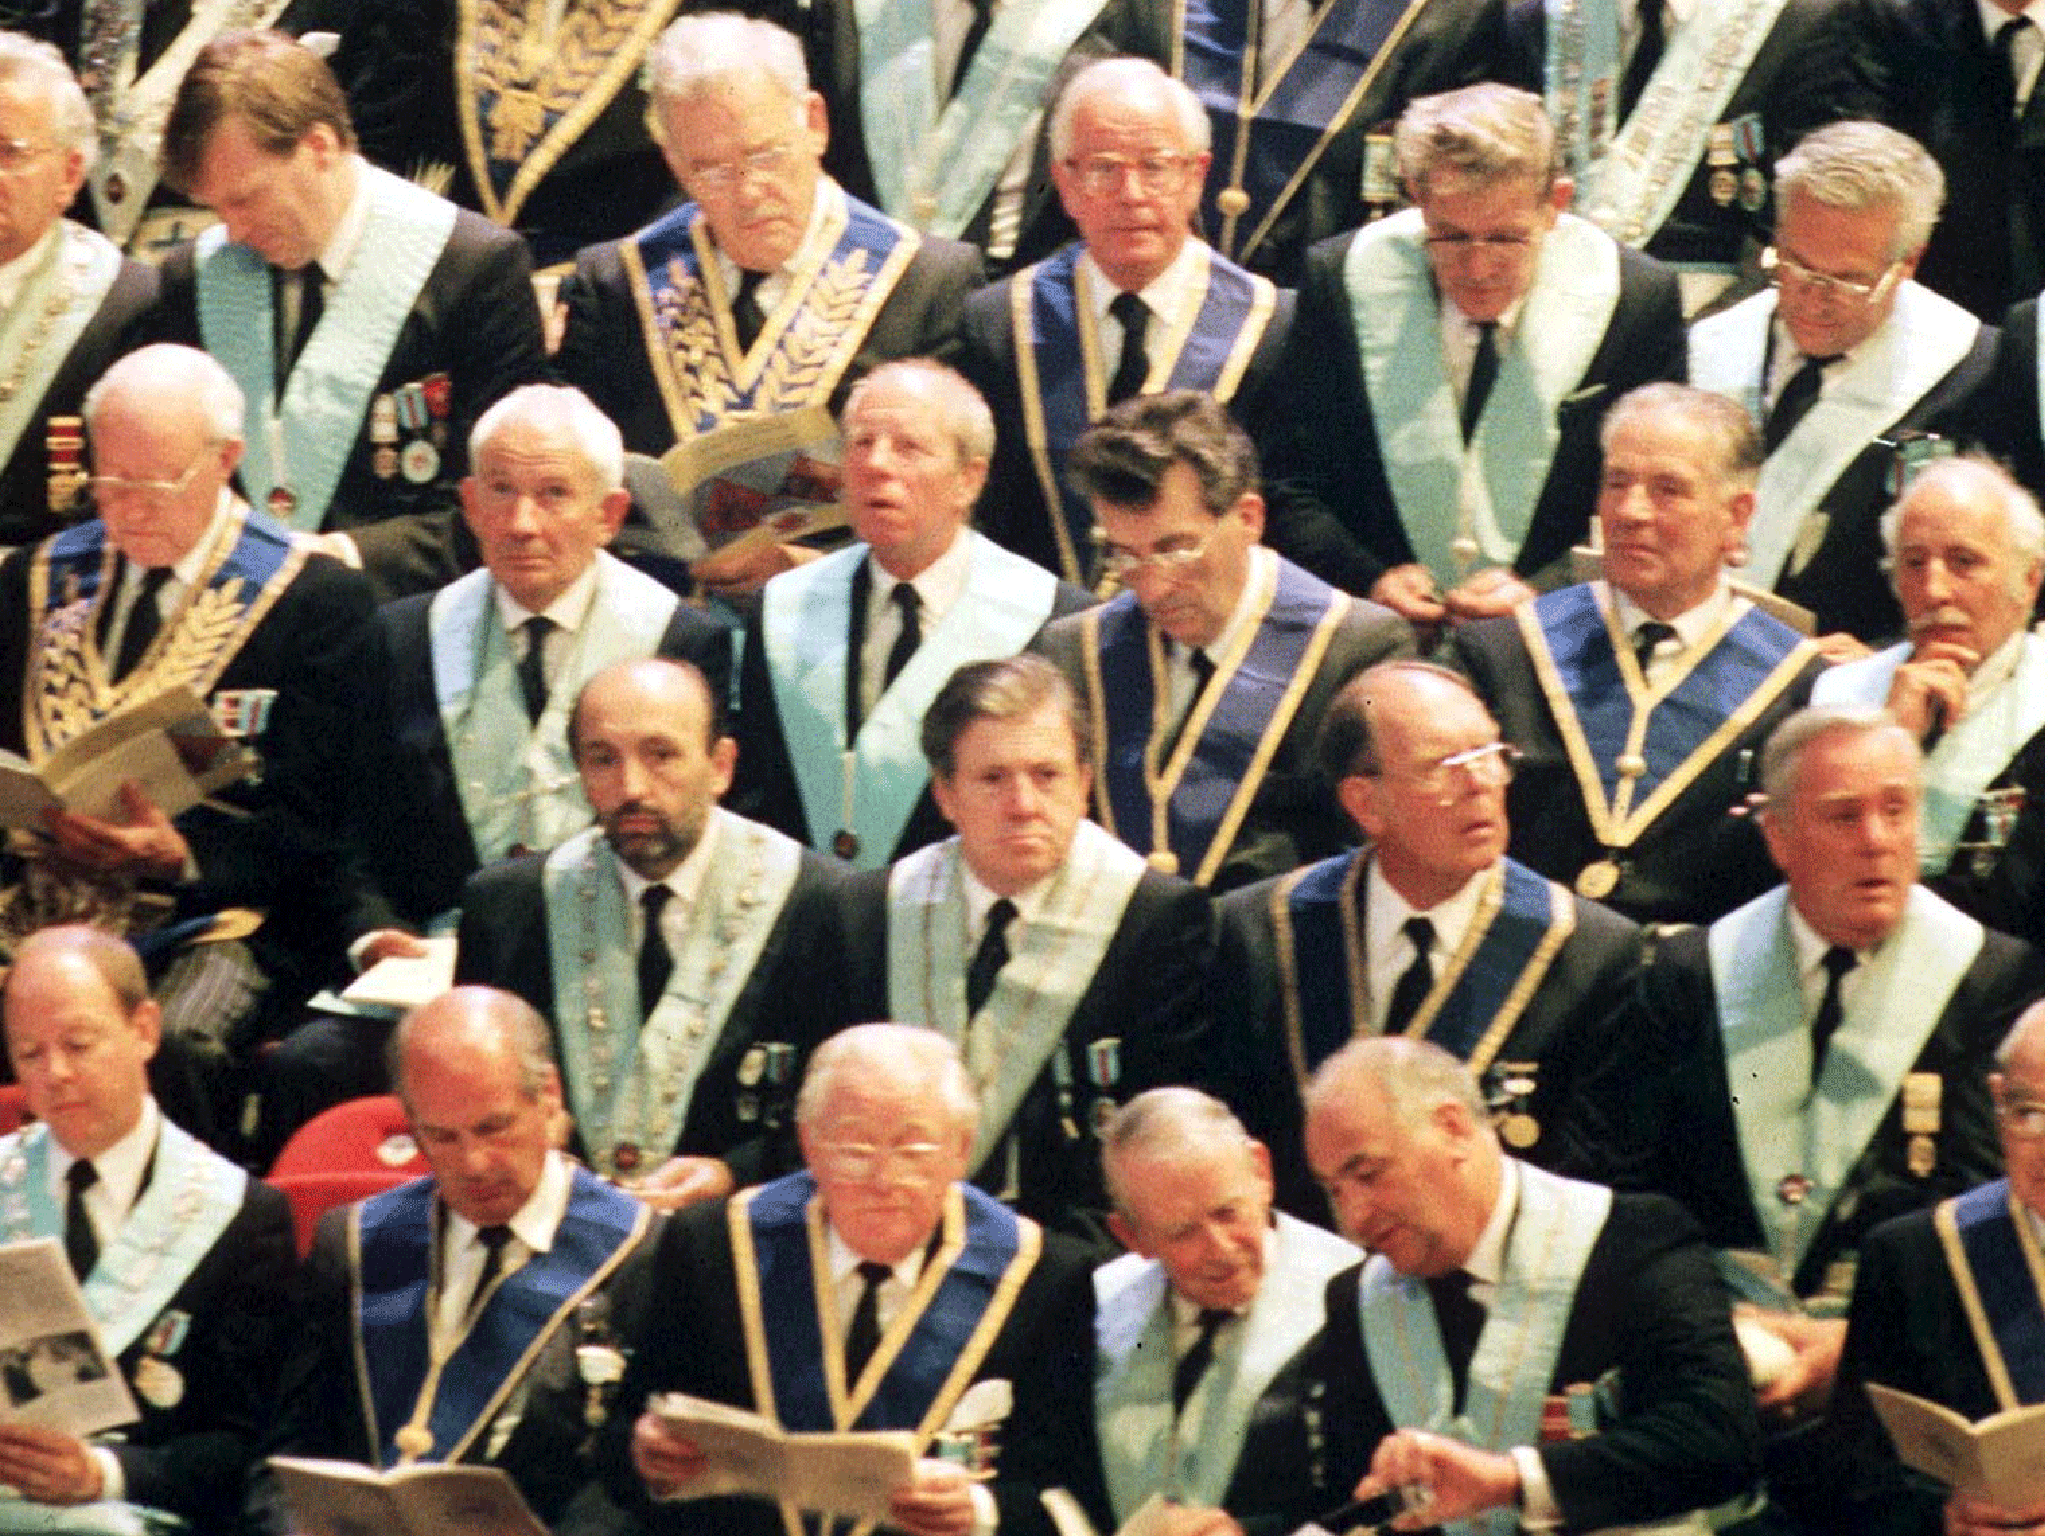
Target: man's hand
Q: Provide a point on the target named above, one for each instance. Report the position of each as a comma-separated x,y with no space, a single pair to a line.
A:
1488,594
935,1502
736,573
1801,1390
388,944
1185,1520
1933,682
1459,1479
144,843
1965,1516
684,1181
1840,646
1410,590
665,1460
47,1465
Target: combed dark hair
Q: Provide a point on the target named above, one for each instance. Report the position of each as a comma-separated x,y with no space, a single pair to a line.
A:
275,84
1124,456
997,690
1346,746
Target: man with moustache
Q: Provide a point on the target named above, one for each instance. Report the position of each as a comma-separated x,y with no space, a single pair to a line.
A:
673,947
1970,681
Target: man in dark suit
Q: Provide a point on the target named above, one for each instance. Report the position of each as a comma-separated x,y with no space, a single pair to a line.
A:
1639,702
1433,933
1206,1332
1814,1062
675,948
1945,1308
772,289
849,651
87,300
180,583
1461,1359
368,321
1137,306
1965,80
1207,678
1070,975
1462,353
1848,366
480,1314
872,1291
186,1262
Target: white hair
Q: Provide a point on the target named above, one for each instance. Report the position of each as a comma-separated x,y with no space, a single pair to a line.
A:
1854,166
697,52
33,63
170,371
1135,81
549,406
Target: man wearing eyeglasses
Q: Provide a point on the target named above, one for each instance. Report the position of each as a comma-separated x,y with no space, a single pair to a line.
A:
1432,931
874,1290
1948,1308
1450,365
1854,372
1137,305
1210,672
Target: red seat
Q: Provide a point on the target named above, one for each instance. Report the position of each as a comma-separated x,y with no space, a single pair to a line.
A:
13,1107
367,1135
314,1194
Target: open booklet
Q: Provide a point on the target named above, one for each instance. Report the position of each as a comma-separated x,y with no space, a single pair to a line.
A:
851,1473
346,1498
54,1370
760,480
169,744
1997,1458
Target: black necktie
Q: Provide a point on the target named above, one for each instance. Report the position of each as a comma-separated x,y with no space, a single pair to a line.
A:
1838,962
1794,401
1485,369
2006,43
655,960
292,331
908,635
1189,1369
1416,981
1460,1319
1643,62
145,618
747,318
864,1328
1650,634
494,1240
1129,312
533,666
81,1243
977,29
1204,669
990,956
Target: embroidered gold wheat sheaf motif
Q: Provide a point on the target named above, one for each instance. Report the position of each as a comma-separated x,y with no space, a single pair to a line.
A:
531,79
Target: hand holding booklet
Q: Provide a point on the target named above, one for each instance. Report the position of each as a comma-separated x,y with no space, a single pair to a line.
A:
1998,1458
429,1498
169,744
851,1473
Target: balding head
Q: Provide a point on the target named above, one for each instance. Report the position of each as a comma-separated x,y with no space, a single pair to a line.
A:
81,1030
645,737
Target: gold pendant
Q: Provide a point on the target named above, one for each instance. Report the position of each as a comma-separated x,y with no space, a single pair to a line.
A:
1598,879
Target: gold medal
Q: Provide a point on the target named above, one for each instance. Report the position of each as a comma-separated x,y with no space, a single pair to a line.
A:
1920,1156
158,1383
1233,202
1520,1131
1598,879
1721,187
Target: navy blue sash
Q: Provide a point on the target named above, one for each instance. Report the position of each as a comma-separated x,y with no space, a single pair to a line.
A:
394,1254
77,559
2005,1281
789,1300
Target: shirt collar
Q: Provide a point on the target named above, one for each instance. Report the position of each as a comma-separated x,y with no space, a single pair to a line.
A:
1994,17
121,1166
568,611
1487,1261
980,898
1386,909
1241,612
1692,625
772,283
348,229
686,879
1164,295
1996,670
15,273
1809,948
938,586
843,1261
535,1222
1187,1315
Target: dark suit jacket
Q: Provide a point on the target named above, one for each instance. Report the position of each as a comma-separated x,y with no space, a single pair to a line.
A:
503,942
1293,818
1013,507
695,1343
476,320
766,788
2006,895
1937,77
408,824
25,513
604,345
191,1456
1149,993
1569,1028
1331,507
1686,1123
1696,862
1648,1305
319,1410
2008,411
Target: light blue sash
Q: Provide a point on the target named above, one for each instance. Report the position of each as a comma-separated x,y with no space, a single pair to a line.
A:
516,778
60,295
631,1081
1054,955
324,400
1489,488
805,617
1142,1452
935,165
1783,1128
1909,354
1555,1227
1972,751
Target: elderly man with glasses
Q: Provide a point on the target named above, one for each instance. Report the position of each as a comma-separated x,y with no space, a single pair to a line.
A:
1854,372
